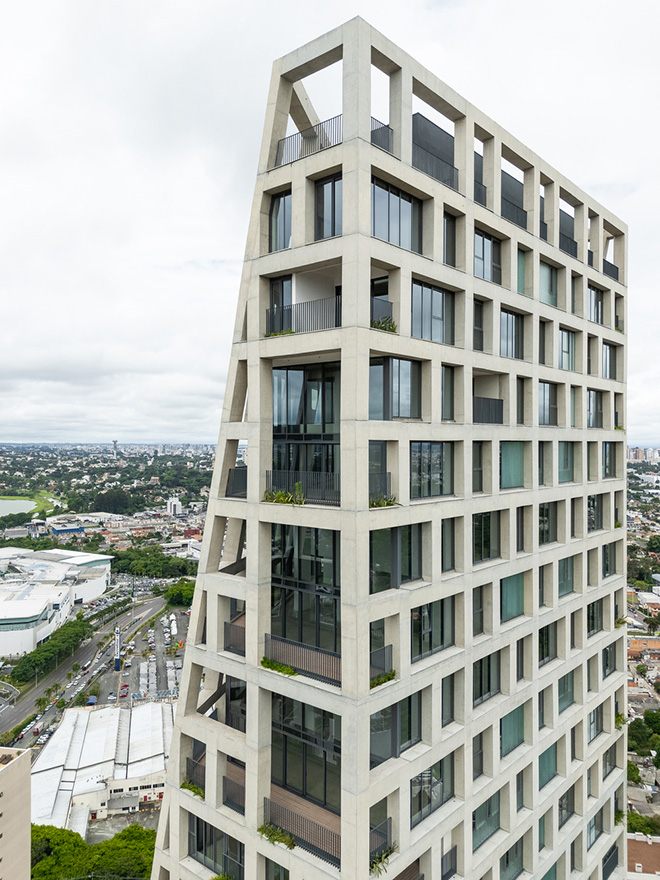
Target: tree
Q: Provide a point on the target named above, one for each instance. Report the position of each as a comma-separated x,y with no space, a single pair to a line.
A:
128,854
645,824
81,699
638,734
41,703
69,675
641,669
48,693
653,545
633,772
652,721
75,667
57,853
60,704
181,593
57,687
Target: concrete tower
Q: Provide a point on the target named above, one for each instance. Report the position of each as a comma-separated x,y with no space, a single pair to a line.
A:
428,368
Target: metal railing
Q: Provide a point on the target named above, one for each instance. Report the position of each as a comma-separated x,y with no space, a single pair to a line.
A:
434,166
480,193
381,309
233,795
309,141
380,486
237,483
487,411
618,323
514,213
610,862
196,772
236,720
305,317
543,230
380,838
568,244
590,257
611,270
316,487
380,661
309,835
382,135
307,660
235,638
448,864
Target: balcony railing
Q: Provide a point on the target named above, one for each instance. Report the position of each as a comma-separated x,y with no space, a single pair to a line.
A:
305,659
543,230
381,310
382,135
448,864
304,317
233,795
480,193
309,141
236,720
308,835
196,772
618,323
610,862
316,488
237,483
380,486
487,411
568,244
434,166
380,838
611,270
380,661
235,638
514,213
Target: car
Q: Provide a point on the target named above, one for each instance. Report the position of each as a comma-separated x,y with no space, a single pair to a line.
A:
112,698
38,716
126,674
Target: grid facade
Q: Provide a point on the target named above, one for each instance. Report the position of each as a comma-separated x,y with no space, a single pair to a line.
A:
428,368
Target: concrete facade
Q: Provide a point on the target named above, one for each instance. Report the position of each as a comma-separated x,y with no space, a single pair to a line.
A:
505,324
15,814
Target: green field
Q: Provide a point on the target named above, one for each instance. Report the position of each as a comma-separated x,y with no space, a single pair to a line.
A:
41,502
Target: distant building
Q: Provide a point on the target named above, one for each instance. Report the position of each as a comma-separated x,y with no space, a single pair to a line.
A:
174,507
38,590
15,814
643,856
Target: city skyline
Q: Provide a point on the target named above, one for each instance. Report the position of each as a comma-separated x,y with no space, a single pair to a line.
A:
127,186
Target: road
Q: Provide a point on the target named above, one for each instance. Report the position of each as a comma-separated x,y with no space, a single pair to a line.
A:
10,716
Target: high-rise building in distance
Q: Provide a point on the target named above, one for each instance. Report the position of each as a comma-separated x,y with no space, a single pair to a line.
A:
428,369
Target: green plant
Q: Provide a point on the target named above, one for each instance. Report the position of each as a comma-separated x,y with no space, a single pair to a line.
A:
384,324
620,621
283,496
279,333
619,428
382,678
277,667
619,817
276,835
382,501
222,877
190,786
381,860
619,720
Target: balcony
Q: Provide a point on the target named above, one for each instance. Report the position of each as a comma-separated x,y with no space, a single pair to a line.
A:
380,839
487,411
381,314
237,483
610,270
380,489
434,166
380,662
382,135
610,862
310,487
304,317
480,193
448,864
568,244
514,213
309,141
196,772
305,659
233,788
314,829
618,323
235,636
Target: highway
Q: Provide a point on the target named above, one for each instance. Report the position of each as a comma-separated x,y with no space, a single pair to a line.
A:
10,716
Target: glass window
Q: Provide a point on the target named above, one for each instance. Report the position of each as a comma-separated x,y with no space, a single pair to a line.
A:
520,790
431,469
609,466
485,821
511,863
520,529
511,335
566,463
609,761
595,723
447,700
301,555
594,828
609,660
396,728
396,216
395,557
280,221
565,574
512,464
449,240
431,789
512,731
478,326
486,678
609,559
477,756
279,319
432,628
214,849
447,413
432,313
520,659
595,305
520,400
487,259
547,643
485,536
565,691
594,408
275,871
566,349
547,765
542,335
547,403
521,271
512,596
477,611
595,617
477,466
548,284
566,806
328,207
394,389
594,512
609,361
547,522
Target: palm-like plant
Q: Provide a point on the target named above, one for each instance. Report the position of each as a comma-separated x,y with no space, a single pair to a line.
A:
41,703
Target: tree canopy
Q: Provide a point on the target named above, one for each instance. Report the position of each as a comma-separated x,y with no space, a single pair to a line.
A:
46,656
181,593
58,854
151,562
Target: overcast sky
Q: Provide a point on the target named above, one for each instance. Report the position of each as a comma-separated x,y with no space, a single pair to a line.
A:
129,137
